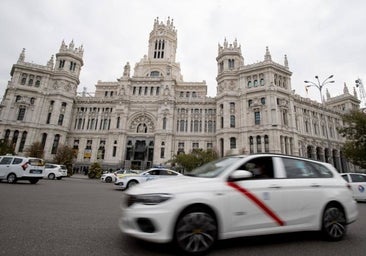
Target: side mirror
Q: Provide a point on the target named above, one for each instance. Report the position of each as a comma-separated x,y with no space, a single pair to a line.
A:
240,175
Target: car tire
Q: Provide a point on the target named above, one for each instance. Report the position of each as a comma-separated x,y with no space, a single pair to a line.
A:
334,224
108,179
132,183
51,176
195,231
12,178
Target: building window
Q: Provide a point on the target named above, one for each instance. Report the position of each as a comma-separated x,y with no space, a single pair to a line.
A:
162,152
263,101
18,98
38,81
44,139
195,145
266,143
24,79
221,66
60,119
30,81
48,118
257,117
232,121
232,143
55,144
154,73
164,123
231,63
61,64
21,114
259,144
22,142
118,122
251,145
262,82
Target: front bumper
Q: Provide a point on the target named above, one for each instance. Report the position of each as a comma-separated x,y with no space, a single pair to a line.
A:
152,223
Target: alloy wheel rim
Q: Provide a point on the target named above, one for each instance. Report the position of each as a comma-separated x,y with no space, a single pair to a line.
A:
196,232
334,222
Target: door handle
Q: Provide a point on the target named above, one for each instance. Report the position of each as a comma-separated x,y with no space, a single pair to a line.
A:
314,185
275,186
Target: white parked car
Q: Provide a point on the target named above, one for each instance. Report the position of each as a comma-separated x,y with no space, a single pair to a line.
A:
358,184
231,198
112,176
151,174
14,168
53,171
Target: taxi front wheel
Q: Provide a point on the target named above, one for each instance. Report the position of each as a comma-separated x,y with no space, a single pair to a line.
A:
195,231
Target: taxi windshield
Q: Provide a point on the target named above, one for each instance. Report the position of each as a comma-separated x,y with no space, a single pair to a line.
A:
212,169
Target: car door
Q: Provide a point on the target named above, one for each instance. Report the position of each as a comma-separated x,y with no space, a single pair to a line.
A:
358,185
255,203
5,166
304,191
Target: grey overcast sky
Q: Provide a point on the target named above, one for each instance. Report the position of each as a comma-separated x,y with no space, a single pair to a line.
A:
319,37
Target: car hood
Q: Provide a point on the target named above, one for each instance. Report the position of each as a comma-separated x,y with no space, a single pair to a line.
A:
172,185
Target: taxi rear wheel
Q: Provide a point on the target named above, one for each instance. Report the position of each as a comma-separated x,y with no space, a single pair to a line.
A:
334,224
196,231
108,179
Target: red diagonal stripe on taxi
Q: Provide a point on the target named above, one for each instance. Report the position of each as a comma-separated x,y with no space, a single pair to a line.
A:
258,202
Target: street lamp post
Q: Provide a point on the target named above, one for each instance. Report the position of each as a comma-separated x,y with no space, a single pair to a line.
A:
320,86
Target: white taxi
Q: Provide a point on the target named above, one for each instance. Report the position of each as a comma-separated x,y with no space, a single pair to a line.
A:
358,184
14,168
129,181
240,196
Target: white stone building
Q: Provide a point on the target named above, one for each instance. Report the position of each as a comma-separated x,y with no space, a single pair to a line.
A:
149,114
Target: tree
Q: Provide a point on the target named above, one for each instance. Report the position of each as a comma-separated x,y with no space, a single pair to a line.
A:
194,159
6,148
354,131
95,171
35,150
65,155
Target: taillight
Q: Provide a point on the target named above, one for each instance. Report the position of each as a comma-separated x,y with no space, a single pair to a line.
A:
25,166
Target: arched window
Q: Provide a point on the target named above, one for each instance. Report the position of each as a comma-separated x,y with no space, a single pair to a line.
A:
259,144
154,73
266,143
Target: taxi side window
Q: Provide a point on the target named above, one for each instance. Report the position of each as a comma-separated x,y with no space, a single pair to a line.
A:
358,178
297,169
17,160
6,160
261,168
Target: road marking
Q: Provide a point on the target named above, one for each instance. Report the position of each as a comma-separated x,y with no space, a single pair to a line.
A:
258,202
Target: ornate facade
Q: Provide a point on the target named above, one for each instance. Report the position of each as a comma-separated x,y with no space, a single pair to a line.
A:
150,113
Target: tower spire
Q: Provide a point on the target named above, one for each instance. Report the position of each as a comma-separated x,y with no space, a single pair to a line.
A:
267,56
22,56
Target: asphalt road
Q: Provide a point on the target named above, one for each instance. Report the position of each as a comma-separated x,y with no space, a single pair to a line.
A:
76,216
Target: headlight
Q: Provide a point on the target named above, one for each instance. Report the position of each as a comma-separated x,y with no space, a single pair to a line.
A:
148,199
